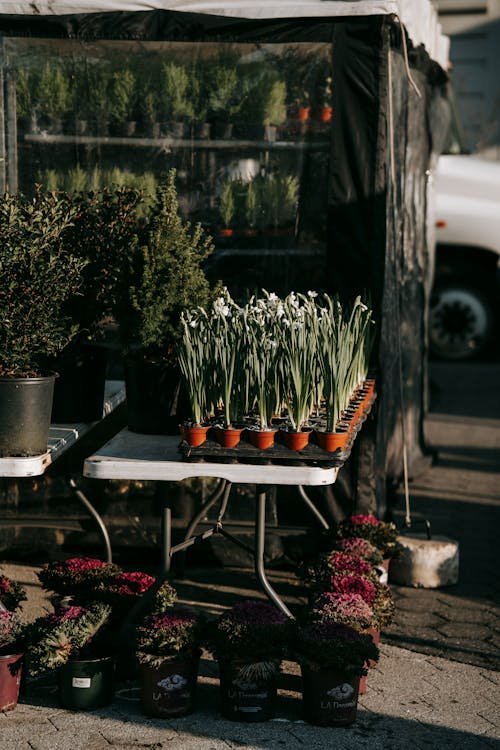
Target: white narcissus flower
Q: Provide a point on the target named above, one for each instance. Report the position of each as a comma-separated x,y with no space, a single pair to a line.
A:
312,294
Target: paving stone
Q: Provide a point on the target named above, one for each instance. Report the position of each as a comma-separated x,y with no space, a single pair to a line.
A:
459,631
70,741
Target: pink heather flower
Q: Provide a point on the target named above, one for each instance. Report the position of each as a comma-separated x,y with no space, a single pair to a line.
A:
80,564
344,563
353,585
359,520
256,613
6,618
361,548
4,585
349,609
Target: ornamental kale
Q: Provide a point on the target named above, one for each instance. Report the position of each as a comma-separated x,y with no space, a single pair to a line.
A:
55,638
123,589
11,593
171,634
332,645
381,534
253,635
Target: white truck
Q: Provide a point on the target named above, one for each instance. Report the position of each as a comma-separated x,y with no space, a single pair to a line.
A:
464,302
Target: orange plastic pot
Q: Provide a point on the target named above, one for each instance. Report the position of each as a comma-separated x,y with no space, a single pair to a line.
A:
332,441
296,441
303,113
262,439
325,114
194,436
228,437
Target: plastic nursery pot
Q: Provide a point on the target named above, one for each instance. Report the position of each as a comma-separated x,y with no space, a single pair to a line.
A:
303,113
25,409
261,439
228,437
196,435
86,684
10,679
296,441
170,689
332,441
329,697
325,114
244,700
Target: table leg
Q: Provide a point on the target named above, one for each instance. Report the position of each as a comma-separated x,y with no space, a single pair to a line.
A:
305,497
166,533
260,538
95,515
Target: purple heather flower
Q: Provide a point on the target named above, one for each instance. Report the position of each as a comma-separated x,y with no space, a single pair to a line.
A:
349,609
360,547
169,621
256,613
130,584
326,630
361,519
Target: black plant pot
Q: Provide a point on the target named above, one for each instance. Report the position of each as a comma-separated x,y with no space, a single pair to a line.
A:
86,684
246,700
79,389
156,403
25,408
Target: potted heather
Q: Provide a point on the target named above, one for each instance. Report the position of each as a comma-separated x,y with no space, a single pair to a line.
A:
249,643
12,646
332,657
164,278
124,589
382,534
38,274
168,652
360,548
336,563
74,641
12,594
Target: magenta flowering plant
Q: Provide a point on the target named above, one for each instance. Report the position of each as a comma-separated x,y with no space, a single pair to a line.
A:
331,645
381,534
11,593
12,633
253,635
336,563
76,576
171,634
124,588
352,584
347,609
74,632
361,548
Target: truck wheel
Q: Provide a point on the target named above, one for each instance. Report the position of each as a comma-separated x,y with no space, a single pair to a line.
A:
461,321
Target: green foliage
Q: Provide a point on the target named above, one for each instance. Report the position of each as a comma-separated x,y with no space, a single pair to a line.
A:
175,98
54,93
122,95
222,95
164,279
227,203
38,275
26,102
274,106
54,639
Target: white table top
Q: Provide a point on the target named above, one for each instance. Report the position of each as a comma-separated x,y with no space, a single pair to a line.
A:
130,455
61,438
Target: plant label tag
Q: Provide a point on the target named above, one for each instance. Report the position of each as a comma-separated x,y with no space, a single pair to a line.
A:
81,682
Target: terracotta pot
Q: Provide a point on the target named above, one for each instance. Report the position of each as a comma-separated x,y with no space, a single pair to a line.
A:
296,441
226,232
332,441
170,689
262,439
325,114
228,437
10,679
375,635
194,436
329,697
243,700
303,113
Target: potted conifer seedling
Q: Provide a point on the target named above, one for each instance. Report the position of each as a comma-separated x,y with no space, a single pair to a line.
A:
163,278
38,275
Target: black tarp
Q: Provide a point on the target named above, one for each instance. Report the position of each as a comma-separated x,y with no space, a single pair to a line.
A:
377,237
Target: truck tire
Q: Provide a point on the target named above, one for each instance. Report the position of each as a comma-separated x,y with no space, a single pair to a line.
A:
461,320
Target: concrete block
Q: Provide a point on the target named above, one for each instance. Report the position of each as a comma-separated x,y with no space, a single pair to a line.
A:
429,563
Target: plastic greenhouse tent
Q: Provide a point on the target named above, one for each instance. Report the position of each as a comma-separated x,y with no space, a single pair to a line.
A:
343,104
